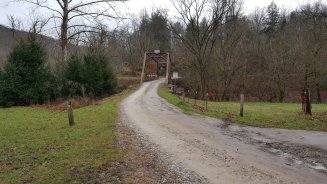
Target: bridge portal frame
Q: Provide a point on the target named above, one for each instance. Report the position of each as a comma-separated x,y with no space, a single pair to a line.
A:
152,62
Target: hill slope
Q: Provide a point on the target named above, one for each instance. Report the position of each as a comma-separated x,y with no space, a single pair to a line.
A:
8,41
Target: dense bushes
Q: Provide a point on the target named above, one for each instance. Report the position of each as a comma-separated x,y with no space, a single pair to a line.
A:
91,75
26,79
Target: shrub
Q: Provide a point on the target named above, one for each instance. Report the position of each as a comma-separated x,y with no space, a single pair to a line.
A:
72,76
97,75
91,75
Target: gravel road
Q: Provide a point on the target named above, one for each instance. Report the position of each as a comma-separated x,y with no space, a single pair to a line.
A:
208,150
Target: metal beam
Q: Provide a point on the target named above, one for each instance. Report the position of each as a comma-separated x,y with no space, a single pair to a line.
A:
167,70
162,59
142,75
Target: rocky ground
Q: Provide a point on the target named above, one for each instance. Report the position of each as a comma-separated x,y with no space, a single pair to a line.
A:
143,162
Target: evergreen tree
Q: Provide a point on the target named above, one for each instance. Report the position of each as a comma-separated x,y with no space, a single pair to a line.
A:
74,68
97,75
156,28
73,79
91,75
159,28
272,20
25,79
144,24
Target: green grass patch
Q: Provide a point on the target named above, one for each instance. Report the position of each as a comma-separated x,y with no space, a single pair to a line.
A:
267,115
38,145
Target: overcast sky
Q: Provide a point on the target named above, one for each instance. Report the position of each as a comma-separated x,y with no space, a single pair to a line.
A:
22,11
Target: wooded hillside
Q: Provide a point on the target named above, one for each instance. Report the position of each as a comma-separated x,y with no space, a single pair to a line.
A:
9,38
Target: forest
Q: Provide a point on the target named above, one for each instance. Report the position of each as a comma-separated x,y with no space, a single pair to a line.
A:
270,54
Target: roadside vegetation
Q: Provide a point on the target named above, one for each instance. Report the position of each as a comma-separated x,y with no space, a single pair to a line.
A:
269,55
266,115
27,79
38,146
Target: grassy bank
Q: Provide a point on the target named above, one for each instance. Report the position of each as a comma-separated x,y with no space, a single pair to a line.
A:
269,115
38,146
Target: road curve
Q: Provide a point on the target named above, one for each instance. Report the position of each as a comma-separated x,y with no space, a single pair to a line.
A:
222,152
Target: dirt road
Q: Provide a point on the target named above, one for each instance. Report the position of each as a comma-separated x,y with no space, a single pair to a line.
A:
218,152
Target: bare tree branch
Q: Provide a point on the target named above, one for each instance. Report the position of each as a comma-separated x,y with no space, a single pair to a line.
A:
70,10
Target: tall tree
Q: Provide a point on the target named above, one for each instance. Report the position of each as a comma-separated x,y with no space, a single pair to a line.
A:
159,30
155,29
25,78
272,19
199,39
315,30
229,55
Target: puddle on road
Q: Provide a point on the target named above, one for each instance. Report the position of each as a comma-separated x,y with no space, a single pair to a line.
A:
289,158
299,162
318,166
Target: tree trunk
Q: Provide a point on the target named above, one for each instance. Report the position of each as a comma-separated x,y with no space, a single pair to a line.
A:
203,87
64,33
203,81
318,94
306,77
281,92
308,102
281,96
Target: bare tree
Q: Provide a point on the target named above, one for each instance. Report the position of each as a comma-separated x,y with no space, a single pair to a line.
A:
315,30
38,24
201,18
15,24
75,16
229,56
270,55
257,19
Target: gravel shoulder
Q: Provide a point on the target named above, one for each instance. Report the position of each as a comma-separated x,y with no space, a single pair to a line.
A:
189,148
143,162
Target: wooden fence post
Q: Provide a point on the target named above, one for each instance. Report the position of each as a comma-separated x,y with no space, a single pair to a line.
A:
183,94
242,105
70,113
207,101
188,96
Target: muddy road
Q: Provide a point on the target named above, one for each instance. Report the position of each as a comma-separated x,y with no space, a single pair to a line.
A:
214,151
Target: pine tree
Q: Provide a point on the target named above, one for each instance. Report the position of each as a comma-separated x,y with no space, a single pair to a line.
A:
73,79
156,28
159,28
272,20
97,75
25,79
